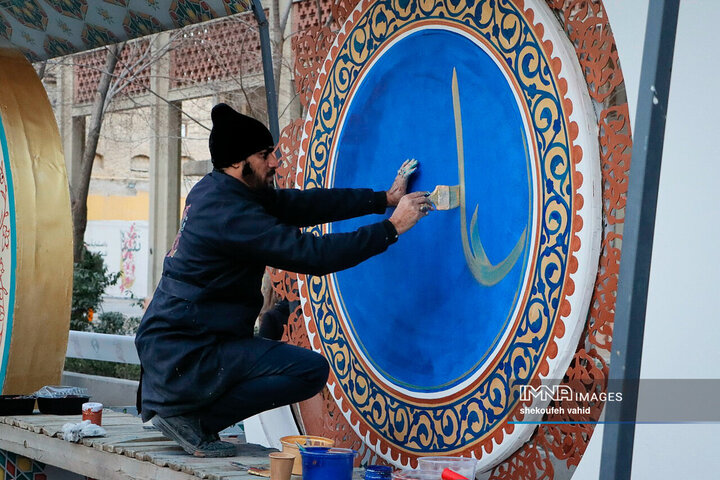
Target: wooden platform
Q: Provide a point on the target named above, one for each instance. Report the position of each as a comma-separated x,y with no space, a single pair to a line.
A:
128,451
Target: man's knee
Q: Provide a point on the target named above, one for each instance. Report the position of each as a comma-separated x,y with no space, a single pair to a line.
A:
320,370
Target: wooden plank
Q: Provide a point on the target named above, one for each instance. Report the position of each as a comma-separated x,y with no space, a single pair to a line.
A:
133,448
145,453
134,451
165,459
123,438
80,459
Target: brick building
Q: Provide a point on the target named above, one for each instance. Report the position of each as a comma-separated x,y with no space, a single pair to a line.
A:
160,109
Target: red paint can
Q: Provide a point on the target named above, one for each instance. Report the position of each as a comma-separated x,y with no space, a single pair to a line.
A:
92,411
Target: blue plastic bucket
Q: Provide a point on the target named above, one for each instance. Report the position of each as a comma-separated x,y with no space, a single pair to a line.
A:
323,463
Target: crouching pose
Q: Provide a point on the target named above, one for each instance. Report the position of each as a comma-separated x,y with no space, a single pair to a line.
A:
202,368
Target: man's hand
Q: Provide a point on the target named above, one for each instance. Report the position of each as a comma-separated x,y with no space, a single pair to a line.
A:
399,186
411,208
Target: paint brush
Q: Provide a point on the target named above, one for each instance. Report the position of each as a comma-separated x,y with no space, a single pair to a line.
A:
445,197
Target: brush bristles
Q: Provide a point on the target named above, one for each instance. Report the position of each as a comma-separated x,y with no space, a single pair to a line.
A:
446,197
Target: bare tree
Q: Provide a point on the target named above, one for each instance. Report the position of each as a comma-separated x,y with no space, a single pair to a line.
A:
79,191
115,76
279,23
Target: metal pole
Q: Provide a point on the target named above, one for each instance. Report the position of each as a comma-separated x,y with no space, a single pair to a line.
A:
617,448
272,107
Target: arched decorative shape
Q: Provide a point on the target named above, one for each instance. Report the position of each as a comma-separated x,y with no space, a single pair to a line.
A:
586,26
36,240
140,164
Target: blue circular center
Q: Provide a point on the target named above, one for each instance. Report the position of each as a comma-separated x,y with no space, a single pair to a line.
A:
417,312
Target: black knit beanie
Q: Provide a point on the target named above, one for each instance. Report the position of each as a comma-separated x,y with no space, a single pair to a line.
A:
235,136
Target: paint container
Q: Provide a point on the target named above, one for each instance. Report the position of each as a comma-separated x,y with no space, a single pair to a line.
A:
463,465
92,411
322,463
68,405
16,405
281,465
290,445
378,472
414,475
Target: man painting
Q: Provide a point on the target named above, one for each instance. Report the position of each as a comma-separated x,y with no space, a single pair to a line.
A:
203,370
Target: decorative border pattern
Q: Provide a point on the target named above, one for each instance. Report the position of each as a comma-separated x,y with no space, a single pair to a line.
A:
550,448
17,467
7,254
43,30
400,424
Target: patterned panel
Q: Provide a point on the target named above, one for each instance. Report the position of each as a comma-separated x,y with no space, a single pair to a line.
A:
95,36
469,414
236,6
70,8
311,47
5,27
142,23
58,27
87,68
587,25
217,51
615,150
29,14
57,47
17,467
198,54
305,14
187,12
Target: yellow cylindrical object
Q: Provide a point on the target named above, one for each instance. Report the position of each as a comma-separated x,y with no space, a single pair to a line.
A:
35,233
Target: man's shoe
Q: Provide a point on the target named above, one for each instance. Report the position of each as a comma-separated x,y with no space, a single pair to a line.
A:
215,449
186,431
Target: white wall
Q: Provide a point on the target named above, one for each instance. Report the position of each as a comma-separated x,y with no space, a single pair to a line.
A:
124,246
682,334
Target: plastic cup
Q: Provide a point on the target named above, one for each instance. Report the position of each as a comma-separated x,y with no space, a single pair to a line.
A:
414,475
281,465
465,466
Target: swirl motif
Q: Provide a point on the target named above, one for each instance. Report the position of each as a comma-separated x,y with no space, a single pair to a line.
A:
465,419
551,450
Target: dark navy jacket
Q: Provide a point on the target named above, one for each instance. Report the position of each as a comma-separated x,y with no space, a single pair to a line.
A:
197,334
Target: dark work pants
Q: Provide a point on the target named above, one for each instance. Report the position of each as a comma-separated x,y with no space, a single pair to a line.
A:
285,374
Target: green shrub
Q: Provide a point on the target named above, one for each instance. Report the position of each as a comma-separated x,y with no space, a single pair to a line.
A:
90,279
103,369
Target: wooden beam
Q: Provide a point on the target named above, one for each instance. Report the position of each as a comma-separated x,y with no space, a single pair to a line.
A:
81,459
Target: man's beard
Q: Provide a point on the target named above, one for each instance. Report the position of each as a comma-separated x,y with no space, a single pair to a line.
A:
254,181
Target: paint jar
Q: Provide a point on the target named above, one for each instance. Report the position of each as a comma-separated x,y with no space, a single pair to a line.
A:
92,411
463,465
322,463
414,475
378,472
290,445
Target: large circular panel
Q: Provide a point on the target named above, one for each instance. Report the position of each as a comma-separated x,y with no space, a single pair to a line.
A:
430,342
35,233
495,166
